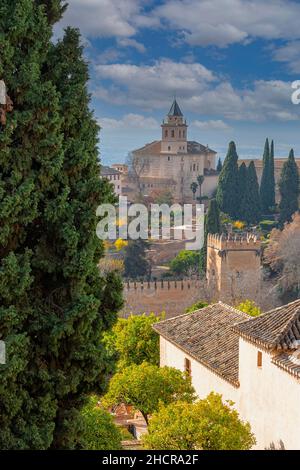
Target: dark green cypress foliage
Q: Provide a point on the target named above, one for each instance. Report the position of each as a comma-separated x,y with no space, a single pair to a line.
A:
271,177
136,264
31,157
289,189
242,185
228,189
250,204
55,303
219,165
212,226
265,179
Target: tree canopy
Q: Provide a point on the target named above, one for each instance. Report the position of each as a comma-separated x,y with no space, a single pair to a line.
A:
228,185
289,189
133,340
207,424
55,303
147,386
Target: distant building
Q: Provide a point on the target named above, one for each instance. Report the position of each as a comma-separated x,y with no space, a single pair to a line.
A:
174,162
114,177
255,362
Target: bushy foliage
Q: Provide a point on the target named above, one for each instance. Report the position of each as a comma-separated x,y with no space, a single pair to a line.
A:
196,306
133,340
147,386
99,431
207,424
249,307
185,263
228,185
289,189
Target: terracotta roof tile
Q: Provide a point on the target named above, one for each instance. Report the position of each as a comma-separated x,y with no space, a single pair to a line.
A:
277,329
207,336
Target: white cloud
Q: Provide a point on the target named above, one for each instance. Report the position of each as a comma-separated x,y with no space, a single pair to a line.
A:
129,121
103,18
290,54
198,90
152,86
224,22
217,124
129,42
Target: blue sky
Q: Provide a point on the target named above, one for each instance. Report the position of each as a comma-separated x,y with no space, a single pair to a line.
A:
229,62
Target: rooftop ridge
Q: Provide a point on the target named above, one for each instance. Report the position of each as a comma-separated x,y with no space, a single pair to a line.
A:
269,332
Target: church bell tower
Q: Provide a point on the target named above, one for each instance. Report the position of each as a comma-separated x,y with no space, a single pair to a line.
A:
174,131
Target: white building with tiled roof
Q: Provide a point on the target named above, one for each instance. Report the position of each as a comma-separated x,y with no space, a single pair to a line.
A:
254,362
177,160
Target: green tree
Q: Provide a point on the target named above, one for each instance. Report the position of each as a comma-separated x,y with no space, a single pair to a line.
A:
265,179
208,424
250,307
185,263
147,386
272,177
250,205
133,340
200,180
194,187
135,261
55,304
289,189
242,185
99,431
196,306
227,191
219,165
212,226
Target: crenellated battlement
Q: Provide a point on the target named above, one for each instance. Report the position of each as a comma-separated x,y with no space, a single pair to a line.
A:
239,242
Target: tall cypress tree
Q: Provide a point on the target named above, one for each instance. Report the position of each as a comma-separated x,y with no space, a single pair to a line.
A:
265,179
228,188
212,225
219,165
271,177
289,189
55,303
250,204
242,185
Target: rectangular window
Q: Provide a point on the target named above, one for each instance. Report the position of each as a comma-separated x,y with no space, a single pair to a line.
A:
188,366
166,133
259,359
173,133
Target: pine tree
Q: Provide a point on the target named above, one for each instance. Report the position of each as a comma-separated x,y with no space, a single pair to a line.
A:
250,204
289,189
272,177
265,179
227,192
55,304
242,185
212,226
219,166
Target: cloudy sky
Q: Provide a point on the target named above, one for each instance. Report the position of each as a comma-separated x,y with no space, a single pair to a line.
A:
229,62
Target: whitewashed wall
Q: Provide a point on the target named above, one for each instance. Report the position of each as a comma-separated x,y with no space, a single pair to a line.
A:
268,397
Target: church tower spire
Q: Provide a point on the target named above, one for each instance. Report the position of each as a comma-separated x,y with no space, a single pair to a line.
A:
174,131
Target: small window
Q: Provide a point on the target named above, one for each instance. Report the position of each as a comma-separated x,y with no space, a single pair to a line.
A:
179,134
259,359
194,167
169,158
172,133
166,133
187,367
169,148
183,133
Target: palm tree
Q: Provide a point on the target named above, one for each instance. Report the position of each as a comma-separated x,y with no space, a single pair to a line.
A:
194,187
200,179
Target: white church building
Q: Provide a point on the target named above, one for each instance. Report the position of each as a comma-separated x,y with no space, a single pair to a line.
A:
255,362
